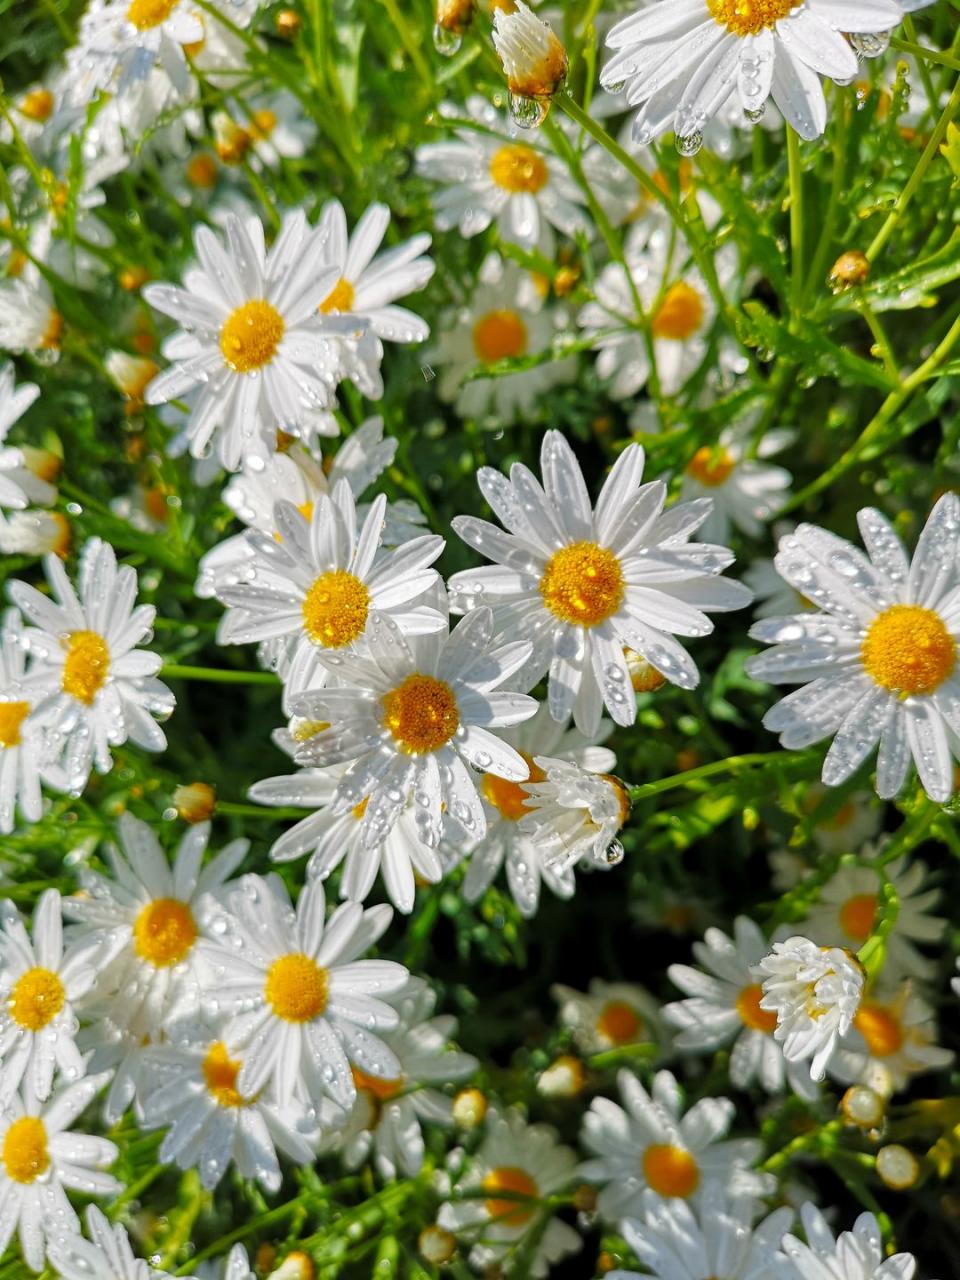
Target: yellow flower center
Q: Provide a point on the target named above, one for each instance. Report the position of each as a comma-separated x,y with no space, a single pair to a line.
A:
335,609
710,467
36,999
25,1155
340,297
251,334
680,313
163,932
382,1090
53,332
619,1022
512,1213
582,584
857,916
145,14
510,798
232,142
263,122
86,666
908,650
220,1072
37,105
749,17
880,1028
499,334
421,714
296,988
202,171
519,168
670,1171
752,1016
12,716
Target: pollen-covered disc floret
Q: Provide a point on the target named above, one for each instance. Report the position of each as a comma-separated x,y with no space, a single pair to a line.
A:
878,658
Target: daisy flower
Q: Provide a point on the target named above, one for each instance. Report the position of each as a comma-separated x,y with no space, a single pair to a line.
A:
120,43
506,803
40,983
855,1255
723,1008
272,128
746,490
388,1115
846,913
23,750
299,1003
815,993
103,688
505,319
28,319
488,175
319,588
146,913
574,815
582,584
609,1015
892,1039
124,1056
527,1162
534,61
106,1255
653,1144
679,60
14,402
40,1156
194,1090
35,533
878,661
720,1242
413,719
253,339
848,828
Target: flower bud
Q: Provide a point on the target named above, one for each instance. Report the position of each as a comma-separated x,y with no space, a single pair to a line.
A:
564,1078
850,269
862,1106
897,1167
436,1245
469,1108
288,24
195,801
534,60
454,15
295,1266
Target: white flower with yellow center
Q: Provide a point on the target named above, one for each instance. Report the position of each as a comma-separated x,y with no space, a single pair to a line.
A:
40,983
120,42
609,1015
505,320
35,533
848,910
29,320
679,60
146,914
271,128
878,660
317,586
507,841
106,1255
413,719
843,828
41,1157
493,171
517,1167
859,1254
584,584
746,490
892,1039
193,1092
723,1008
575,815
815,993
253,341
299,1002
534,60
102,688
23,750
651,1143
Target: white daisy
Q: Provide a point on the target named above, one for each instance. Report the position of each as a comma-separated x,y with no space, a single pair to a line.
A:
723,1008
525,1161
107,1254
194,1090
14,402
119,44
746,490
534,60
29,321
720,1242
23,751
387,1117
272,128
299,1002
583,583
815,993
253,340
653,1144
846,828
679,60
506,803
609,1015
574,815
505,319
846,910
110,1046
413,719
320,586
855,1255
40,1156
67,234
892,1039
35,533
878,661
103,688
489,175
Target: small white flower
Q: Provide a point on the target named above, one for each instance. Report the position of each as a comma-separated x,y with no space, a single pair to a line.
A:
29,321
273,128
855,1255
745,489
23,751
14,402
35,533
298,1000
40,1156
103,689
574,815
878,660
534,60
584,583
609,1015
653,1144
815,993
844,828
892,1039
107,1254
120,43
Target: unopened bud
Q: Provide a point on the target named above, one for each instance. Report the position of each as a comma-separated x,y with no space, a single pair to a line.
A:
564,1078
295,1266
469,1108
436,1245
534,60
585,1198
288,24
133,278
850,269
897,1167
862,1106
454,15
131,374
195,801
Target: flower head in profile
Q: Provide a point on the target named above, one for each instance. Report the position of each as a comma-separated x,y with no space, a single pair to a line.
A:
534,60
855,1255
575,814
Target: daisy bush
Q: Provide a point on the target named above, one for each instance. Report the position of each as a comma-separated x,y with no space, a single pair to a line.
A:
480,640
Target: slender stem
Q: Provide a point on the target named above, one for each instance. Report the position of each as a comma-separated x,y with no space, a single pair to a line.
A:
881,339
732,764
926,55
795,170
212,675
409,41
274,814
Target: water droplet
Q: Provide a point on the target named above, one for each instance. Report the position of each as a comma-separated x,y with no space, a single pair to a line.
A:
446,43
528,113
688,144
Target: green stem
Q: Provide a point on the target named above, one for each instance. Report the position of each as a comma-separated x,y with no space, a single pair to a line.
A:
924,54
881,340
236,810
409,41
795,171
732,764
211,675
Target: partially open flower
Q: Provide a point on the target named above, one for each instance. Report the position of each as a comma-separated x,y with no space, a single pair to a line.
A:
533,58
